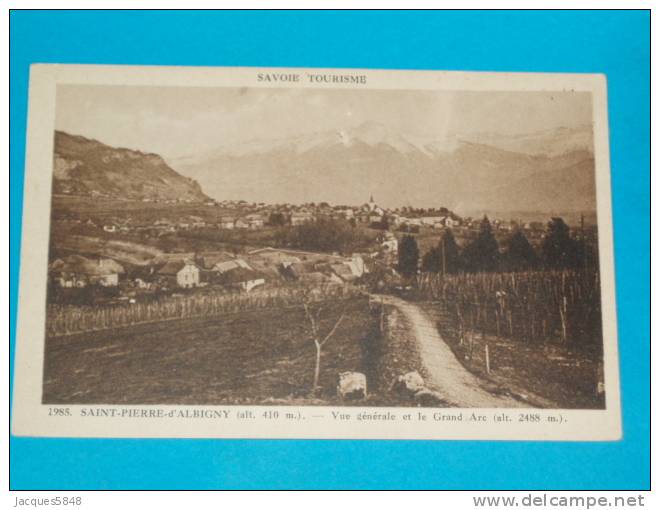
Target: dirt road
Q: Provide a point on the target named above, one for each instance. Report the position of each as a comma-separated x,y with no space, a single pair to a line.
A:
444,372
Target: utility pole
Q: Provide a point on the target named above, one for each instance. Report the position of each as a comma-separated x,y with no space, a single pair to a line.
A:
444,269
584,241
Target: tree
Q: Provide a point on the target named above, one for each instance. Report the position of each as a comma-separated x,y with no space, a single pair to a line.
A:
482,254
323,234
385,222
444,258
451,256
520,255
431,262
277,219
316,338
408,256
558,249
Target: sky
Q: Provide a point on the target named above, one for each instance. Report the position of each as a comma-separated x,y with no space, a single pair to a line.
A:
182,121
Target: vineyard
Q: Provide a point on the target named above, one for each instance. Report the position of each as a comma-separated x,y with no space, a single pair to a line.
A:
69,319
534,307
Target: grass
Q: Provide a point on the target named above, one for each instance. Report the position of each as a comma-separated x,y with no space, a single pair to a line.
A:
247,358
396,354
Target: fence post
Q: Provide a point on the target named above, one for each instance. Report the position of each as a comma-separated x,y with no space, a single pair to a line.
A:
487,358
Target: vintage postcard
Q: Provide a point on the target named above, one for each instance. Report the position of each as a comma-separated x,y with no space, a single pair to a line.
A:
316,253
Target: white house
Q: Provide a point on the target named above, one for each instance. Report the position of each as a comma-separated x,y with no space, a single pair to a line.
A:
184,273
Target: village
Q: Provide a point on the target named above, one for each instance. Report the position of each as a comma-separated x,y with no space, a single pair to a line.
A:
93,270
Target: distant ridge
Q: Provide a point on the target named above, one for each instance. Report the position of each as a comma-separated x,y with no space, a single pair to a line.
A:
548,170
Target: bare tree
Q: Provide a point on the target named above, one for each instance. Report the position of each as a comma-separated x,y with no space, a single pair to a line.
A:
318,342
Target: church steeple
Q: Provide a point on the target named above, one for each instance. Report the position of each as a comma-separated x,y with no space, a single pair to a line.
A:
371,204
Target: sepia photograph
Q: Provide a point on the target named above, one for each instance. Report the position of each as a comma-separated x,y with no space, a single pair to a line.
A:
238,245
292,244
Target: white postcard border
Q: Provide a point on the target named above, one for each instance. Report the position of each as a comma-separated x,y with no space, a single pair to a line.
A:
32,418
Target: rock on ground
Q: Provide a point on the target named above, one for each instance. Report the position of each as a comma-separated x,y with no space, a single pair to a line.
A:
409,383
352,386
428,397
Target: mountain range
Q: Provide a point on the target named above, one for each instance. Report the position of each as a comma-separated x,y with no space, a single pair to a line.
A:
87,167
549,171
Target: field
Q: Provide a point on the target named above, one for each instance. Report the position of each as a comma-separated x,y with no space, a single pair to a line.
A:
549,376
71,319
534,307
251,357
123,251
538,334
98,208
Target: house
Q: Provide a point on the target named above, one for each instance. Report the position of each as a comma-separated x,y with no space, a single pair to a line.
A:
242,278
181,272
226,222
534,225
375,218
411,221
295,270
229,265
254,220
270,257
141,284
78,271
343,271
356,265
389,244
110,228
198,223
242,223
298,218
209,260
66,274
433,220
